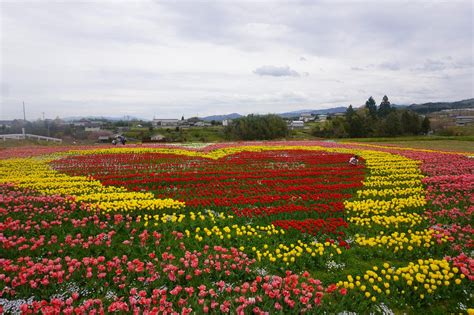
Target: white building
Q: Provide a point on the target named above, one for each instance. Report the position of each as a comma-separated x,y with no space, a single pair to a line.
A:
297,124
157,137
91,129
202,124
306,117
165,122
464,120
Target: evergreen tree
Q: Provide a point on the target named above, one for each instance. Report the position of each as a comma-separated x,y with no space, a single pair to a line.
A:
425,125
370,122
384,108
350,113
410,122
357,126
391,125
371,106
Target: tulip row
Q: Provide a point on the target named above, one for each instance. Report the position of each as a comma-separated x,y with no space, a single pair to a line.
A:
272,181
36,174
403,242
418,281
397,241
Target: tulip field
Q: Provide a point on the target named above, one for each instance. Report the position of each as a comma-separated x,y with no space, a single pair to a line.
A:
238,228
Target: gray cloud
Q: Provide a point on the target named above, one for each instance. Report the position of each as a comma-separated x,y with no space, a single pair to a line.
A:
390,65
276,71
433,65
4,89
168,58
444,64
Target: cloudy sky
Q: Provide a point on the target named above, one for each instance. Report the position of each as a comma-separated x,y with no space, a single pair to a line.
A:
165,59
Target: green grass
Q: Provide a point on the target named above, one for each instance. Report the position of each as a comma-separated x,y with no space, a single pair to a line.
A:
9,143
458,144
410,138
300,134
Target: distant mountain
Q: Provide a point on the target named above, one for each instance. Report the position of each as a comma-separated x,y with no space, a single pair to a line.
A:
334,110
222,117
399,106
109,118
419,108
427,108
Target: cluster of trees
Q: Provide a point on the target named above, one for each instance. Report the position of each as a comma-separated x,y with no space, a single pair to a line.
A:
374,121
257,127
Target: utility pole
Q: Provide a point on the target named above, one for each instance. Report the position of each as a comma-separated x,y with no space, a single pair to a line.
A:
47,124
24,121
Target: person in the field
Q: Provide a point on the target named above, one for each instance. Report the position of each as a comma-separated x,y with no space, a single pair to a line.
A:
354,160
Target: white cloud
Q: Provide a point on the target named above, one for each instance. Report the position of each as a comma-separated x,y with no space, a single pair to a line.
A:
276,71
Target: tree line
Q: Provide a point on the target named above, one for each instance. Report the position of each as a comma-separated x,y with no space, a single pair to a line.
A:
256,127
374,121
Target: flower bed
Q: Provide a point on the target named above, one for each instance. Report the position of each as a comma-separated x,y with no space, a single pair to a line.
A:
236,228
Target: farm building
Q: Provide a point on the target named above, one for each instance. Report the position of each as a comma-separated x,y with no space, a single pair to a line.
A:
165,122
297,124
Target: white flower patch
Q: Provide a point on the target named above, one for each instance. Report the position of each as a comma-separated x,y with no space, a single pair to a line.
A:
13,306
384,309
111,295
332,265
